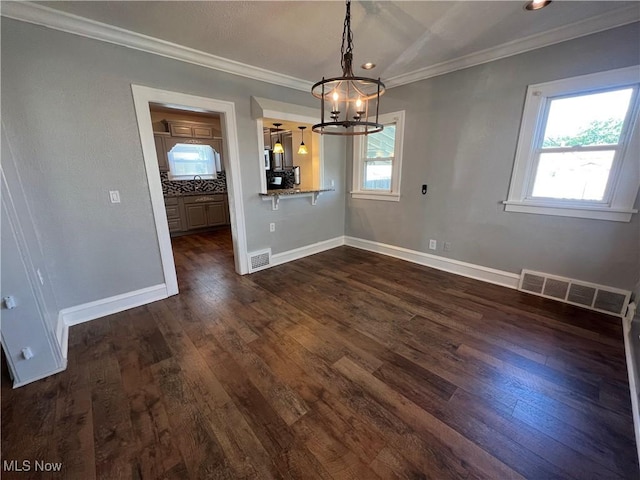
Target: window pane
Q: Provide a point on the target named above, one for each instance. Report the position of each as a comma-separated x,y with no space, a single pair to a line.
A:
591,119
189,160
382,144
573,175
377,174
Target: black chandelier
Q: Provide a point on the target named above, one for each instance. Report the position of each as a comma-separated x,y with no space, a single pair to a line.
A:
352,102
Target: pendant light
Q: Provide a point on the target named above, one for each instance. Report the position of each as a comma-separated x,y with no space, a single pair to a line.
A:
277,148
303,150
352,101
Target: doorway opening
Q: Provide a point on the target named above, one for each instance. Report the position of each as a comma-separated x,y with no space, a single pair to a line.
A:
191,160
206,164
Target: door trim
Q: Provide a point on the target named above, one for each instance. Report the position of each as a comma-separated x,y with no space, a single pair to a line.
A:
142,96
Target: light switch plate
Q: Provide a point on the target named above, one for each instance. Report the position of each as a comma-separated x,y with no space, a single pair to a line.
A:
114,196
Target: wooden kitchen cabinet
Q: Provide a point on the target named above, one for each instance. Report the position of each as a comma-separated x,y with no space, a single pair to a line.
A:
205,211
175,217
287,144
191,129
196,212
161,150
267,138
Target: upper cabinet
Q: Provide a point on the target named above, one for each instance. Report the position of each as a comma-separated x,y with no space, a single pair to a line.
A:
287,144
191,129
161,150
267,138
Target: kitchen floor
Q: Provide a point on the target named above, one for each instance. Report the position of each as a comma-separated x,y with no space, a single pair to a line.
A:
345,364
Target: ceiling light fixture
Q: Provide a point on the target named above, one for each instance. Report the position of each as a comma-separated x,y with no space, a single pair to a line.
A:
352,101
368,66
536,4
277,148
303,150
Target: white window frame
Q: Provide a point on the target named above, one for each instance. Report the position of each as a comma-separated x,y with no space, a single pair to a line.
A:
359,152
624,178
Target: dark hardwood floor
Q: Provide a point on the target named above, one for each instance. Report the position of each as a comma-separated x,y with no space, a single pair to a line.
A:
345,365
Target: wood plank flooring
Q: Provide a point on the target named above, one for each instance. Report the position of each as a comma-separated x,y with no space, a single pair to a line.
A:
343,365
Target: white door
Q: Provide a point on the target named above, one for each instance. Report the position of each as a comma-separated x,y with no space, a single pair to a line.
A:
24,325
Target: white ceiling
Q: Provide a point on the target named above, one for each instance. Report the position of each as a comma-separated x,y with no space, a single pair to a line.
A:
301,39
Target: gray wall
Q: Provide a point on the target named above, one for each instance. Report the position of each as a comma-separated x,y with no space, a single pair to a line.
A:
68,112
32,250
461,131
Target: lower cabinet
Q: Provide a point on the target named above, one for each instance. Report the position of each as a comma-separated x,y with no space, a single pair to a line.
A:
196,212
174,214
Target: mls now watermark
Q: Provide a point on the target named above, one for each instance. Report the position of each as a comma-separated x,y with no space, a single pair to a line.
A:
30,466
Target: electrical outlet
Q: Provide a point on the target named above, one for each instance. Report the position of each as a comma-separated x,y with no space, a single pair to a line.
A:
433,245
272,227
447,246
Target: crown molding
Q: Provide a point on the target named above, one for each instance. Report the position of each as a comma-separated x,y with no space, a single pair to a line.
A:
615,18
84,27
74,24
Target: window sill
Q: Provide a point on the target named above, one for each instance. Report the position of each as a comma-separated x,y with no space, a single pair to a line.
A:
591,212
386,196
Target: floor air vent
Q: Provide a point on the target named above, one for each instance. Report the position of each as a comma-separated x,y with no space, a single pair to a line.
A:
584,294
259,260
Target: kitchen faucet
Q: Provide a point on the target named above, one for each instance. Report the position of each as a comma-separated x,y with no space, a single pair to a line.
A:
197,182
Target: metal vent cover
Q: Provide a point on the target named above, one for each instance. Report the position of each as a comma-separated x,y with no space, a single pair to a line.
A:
600,298
259,260
556,288
582,294
532,283
609,301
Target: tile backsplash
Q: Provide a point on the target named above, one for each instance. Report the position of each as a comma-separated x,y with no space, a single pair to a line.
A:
177,187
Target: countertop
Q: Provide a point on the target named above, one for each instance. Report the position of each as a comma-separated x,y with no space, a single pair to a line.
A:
189,194
294,191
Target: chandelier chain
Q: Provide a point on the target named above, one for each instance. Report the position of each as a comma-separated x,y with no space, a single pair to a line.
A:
347,37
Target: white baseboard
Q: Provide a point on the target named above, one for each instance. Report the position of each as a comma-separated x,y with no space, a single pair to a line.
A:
107,306
44,375
632,368
71,316
297,253
477,272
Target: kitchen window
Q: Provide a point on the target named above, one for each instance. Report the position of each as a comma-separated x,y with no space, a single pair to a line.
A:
187,160
578,148
377,160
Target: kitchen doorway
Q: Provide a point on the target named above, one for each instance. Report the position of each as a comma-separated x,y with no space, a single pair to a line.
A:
144,98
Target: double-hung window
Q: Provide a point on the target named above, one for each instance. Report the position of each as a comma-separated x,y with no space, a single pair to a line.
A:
377,160
578,148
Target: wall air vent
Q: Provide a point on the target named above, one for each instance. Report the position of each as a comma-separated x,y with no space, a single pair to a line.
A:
583,294
259,260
